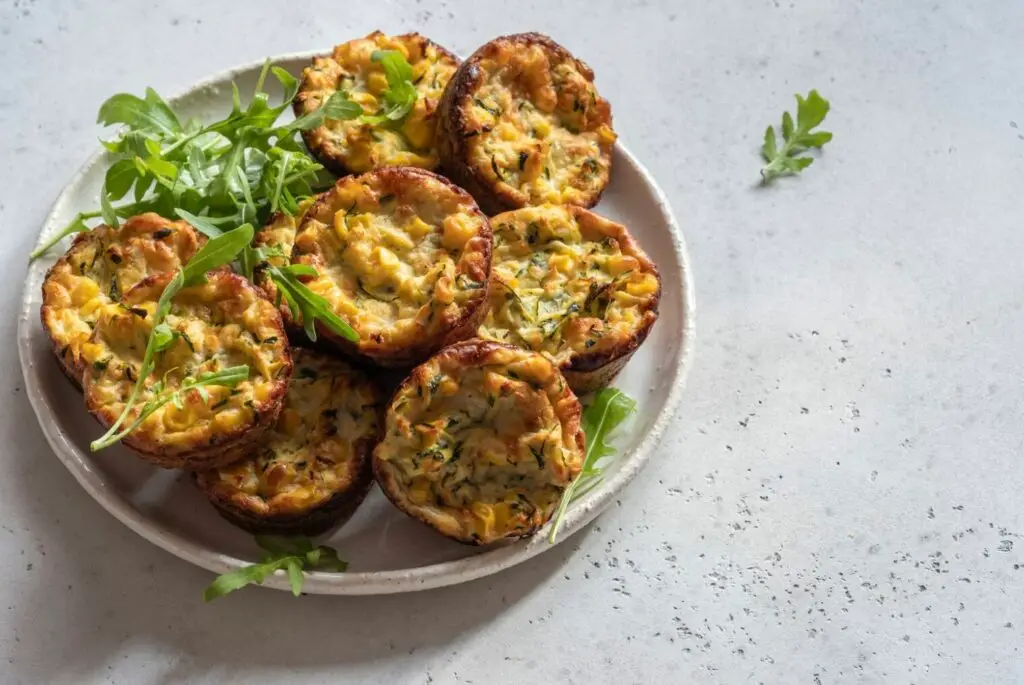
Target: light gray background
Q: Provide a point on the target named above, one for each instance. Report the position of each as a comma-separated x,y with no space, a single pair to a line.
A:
840,498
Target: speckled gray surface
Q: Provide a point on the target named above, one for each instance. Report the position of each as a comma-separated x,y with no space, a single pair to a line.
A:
840,498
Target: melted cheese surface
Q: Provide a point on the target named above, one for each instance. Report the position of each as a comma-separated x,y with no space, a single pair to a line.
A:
399,253
485,448
540,131
222,323
362,147
100,267
566,282
324,434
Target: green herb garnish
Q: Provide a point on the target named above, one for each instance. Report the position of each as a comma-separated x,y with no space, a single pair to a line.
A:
303,302
305,305
234,171
217,252
400,95
786,160
292,555
609,408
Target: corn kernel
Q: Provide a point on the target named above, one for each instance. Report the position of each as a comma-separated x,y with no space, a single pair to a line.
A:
501,516
85,290
457,231
419,131
368,101
485,518
563,263
261,392
645,286
417,228
419,492
618,263
606,135
289,422
506,131
226,419
92,352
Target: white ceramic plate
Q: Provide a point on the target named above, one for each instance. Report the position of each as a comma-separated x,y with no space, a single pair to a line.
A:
388,551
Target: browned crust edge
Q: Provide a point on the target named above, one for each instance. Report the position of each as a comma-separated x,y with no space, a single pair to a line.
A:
589,371
467,353
594,370
319,519
221,449
470,317
76,373
453,130
335,164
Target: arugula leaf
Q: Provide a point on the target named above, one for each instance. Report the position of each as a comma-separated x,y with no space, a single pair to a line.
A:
151,115
783,161
217,252
306,305
234,171
275,198
76,225
120,178
400,95
202,224
337,106
229,378
109,216
293,555
609,408
163,336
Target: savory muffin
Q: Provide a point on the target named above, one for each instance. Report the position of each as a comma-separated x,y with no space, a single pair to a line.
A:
313,468
358,145
574,286
98,268
219,324
521,124
480,442
403,256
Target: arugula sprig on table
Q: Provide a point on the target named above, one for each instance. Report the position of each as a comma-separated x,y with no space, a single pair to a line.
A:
797,139
293,555
217,252
609,408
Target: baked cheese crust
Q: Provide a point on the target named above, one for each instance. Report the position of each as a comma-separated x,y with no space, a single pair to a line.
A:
222,323
354,147
480,442
99,267
571,285
403,256
523,124
312,468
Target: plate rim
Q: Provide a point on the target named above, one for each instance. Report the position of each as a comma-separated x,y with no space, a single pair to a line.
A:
359,582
